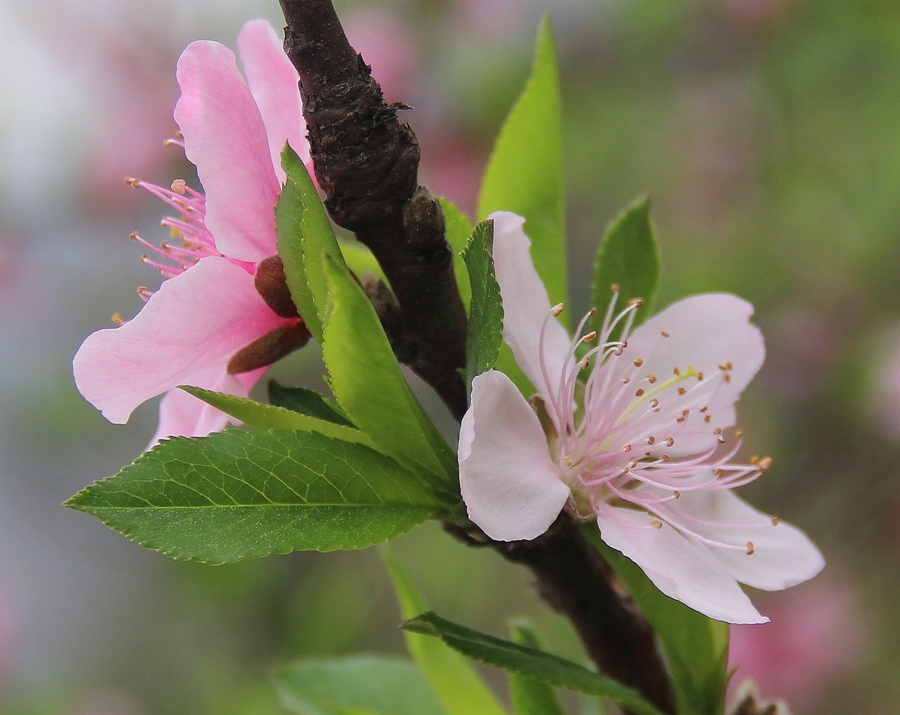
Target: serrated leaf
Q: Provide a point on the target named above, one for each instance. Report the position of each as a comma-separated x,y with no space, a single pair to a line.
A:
306,402
696,647
485,328
524,174
237,495
530,696
459,687
529,662
304,236
628,257
266,417
367,382
377,685
459,229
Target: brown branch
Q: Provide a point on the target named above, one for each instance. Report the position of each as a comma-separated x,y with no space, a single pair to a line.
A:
367,162
574,579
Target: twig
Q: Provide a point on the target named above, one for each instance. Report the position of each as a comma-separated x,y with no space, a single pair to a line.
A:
366,162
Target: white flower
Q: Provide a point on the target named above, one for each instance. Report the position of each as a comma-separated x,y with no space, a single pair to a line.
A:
640,444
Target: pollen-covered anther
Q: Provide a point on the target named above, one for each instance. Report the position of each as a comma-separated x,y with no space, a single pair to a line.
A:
656,524
738,434
719,472
639,393
636,303
567,460
717,431
132,181
764,464
775,521
754,460
707,419
670,441
682,391
676,371
699,377
751,549
664,333
651,439
117,319
676,494
178,186
558,309
614,287
651,378
589,337
626,380
626,448
654,402
638,362
664,458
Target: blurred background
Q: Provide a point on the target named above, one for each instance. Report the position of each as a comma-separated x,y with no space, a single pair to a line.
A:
767,133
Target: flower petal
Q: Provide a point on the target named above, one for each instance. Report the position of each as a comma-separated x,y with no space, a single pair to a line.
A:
273,82
704,332
183,415
198,318
526,306
783,556
224,136
511,487
678,567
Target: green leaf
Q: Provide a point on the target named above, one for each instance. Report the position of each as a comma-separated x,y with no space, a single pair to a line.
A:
485,328
696,647
530,696
237,495
525,175
629,259
304,236
306,402
457,684
459,229
376,685
266,417
529,662
367,382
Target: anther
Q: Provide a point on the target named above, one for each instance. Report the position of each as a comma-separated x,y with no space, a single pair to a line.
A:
664,458
557,309
707,418
676,371
567,460
134,236
754,461
636,303
638,393
682,391
670,441
775,521
131,181
704,409
638,362
651,378
719,472
626,380
720,439
751,549
626,448
585,363
727,377
738,434
677,494
614,287
656,524
699,377
664,333
764,464
654,402
717,431
651,439
590,336
178,186
117,319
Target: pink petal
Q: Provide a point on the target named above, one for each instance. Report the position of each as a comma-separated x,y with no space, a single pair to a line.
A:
783,556
224,136
526,306
677,567
511,487
273,82
183,415
704,331
195,319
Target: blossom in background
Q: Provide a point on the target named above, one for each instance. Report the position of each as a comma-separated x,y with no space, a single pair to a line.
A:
209,325
641,446
817,635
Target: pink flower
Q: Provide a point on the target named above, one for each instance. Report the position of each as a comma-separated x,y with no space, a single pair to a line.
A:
208,324
640,446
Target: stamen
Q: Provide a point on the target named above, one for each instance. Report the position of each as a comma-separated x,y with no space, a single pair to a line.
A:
751,549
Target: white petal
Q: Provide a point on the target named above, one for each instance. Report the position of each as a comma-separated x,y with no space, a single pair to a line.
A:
526,306
703,332
783,556
678,567
509,483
